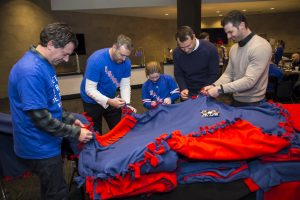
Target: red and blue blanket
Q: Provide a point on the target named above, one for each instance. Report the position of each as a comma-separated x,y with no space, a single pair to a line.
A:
214,142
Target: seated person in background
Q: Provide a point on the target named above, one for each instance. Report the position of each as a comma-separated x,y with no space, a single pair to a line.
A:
204,36
274,70
295,60
159,88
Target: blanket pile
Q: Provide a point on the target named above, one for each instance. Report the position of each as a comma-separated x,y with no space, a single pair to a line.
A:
199,140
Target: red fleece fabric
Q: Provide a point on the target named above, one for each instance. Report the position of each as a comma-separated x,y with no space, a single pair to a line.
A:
121,129
294,110
284,191
238,141
124,187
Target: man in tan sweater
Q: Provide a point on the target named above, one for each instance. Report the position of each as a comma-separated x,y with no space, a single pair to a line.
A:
246,75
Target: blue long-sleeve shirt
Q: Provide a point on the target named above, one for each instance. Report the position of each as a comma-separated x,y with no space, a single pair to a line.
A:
157,91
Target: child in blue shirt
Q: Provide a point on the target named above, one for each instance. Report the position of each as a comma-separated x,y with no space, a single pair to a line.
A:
159,88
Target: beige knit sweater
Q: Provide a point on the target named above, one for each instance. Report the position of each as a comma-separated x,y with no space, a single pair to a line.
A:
246,75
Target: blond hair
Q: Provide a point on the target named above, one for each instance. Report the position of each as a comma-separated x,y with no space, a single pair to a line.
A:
153,67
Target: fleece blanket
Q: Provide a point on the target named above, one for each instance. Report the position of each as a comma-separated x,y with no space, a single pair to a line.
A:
200,129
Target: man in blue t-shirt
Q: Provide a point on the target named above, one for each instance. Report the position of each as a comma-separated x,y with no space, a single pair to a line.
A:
39,123
196,63
107,70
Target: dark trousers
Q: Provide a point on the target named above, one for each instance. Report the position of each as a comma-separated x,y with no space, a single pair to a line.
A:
96,112
50,173
236,103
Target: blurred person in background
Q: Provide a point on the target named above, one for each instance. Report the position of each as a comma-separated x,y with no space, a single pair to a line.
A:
204,36
279,50
295,60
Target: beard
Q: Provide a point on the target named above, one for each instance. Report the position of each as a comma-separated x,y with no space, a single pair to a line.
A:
56,62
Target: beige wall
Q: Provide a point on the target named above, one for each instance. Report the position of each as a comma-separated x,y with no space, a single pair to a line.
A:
284,26
22,20
100,31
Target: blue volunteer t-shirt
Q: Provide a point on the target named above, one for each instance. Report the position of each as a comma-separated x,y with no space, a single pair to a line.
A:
108,74
33,85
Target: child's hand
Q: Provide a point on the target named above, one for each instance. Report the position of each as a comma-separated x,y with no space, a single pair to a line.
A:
153,104
167,101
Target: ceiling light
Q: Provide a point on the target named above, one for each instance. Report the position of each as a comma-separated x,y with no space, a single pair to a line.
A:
218,11
220,15
166,14
244,10
272,8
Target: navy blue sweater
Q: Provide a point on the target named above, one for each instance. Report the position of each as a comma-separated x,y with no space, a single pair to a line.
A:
197,69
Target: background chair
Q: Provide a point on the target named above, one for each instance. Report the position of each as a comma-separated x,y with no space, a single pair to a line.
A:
285,88
271,93
11,167
296,92
285,91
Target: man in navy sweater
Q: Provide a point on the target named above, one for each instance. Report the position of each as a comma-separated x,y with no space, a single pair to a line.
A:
196,62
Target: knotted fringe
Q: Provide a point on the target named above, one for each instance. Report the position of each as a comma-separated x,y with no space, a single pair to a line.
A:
292,153
121,129
152,156
226,140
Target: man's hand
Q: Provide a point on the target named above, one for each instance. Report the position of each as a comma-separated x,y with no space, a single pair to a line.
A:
116,102
85,135
206,88
213,91
78,123
167,101
131,108
184,94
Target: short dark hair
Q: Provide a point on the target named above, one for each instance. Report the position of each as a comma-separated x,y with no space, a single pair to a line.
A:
282,43
235,17
123,40
183,32
60,33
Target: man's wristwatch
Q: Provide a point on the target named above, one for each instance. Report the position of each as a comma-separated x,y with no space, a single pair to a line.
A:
221,90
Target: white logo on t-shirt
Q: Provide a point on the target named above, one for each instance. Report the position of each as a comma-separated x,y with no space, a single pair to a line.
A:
111,76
